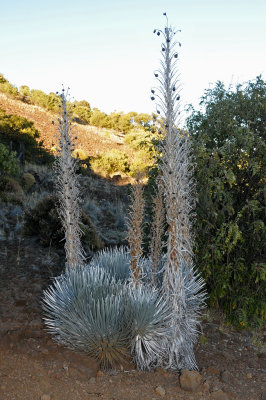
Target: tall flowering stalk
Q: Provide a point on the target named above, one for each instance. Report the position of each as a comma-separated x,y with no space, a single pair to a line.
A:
157,231
68,188
135,221
176,170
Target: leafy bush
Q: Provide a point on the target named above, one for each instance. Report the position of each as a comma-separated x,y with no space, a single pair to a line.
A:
27,180
11,191
141,163
49,101
21,131
8,162
24,90
80,154
38,97
82,111
110,162
145,152
99,119
229,146
7,88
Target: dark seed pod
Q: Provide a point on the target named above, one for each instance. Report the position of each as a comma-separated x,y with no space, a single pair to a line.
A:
154,31
163,49
173,89
153,91
175,55
152,98
158,33
156,75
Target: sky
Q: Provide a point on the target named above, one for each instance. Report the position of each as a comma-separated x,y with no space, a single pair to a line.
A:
106,52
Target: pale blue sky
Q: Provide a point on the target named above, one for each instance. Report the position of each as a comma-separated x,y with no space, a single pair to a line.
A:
106,52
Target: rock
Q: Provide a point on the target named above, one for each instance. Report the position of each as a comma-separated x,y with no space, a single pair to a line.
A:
249,375
160,391
205,387
45,397
219,395
190,380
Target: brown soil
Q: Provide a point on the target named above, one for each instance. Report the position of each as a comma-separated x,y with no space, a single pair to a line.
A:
89,138
32,367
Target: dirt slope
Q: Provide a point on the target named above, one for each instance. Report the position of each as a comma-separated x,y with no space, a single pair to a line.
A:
90,139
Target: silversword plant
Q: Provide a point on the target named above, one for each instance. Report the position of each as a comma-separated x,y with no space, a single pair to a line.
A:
123,304
68,188
176,170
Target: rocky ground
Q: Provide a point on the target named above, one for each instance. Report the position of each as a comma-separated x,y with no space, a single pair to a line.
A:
231,363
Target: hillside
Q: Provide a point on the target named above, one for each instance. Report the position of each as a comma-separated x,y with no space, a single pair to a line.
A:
92,140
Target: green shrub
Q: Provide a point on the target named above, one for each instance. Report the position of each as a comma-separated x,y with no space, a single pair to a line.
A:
141,163
99,119
53,102
82,111
27,181
229,147
21,131
80,154
145,153
110,162
11,191
8,162
39,98
7,88
24,90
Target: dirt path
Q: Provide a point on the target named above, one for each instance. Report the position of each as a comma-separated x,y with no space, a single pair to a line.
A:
32,367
